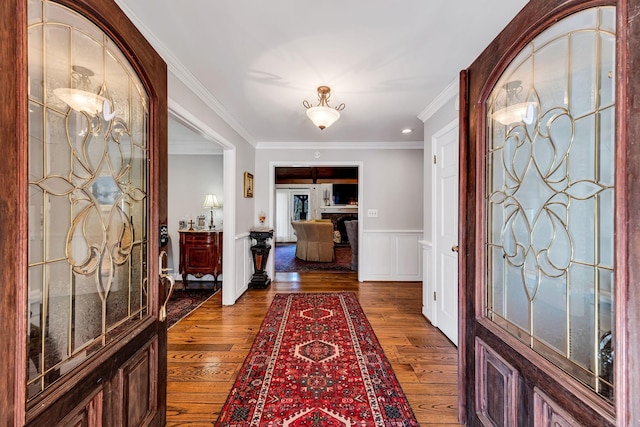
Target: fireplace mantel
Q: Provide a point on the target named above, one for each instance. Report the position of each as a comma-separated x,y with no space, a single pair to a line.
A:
339,209
338,215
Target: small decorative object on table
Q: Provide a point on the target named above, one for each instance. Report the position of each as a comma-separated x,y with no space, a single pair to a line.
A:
201,224
262,217
260,254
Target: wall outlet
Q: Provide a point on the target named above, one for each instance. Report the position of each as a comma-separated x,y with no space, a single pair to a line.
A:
372,213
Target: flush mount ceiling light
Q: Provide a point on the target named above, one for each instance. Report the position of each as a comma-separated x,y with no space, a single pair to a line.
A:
515,110
323,116
79,98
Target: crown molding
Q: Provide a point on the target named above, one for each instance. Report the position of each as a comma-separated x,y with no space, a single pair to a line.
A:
184,75
400,145
443,97
195,148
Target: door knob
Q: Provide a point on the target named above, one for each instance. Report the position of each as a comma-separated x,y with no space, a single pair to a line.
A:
454,248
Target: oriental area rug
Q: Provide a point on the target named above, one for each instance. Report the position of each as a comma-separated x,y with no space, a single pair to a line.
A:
184,301
316,362
285,260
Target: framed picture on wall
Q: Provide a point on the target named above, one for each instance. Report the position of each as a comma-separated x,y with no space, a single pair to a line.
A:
248,184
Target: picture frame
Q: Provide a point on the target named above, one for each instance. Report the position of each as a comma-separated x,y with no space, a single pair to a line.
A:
182,224
248,184
201,222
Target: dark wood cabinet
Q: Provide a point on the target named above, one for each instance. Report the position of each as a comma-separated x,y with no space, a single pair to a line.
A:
200,254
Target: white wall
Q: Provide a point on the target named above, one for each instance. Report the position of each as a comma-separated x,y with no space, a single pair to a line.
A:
194,105
181,95
438,115
434,123
391,182
190,179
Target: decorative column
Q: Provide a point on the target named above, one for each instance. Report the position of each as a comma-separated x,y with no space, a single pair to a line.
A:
260,253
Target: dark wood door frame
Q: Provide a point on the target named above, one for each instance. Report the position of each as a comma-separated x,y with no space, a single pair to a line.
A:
476,83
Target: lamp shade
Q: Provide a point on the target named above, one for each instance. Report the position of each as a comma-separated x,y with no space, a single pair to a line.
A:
323,117
210,201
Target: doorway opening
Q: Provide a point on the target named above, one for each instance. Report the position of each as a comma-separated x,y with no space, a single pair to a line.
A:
224,220
315,194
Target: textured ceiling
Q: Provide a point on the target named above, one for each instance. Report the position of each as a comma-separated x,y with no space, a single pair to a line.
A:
257,61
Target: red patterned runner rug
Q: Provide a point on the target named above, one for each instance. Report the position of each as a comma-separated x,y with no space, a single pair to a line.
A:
316,362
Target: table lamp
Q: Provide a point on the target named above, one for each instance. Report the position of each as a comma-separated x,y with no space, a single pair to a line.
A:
211,203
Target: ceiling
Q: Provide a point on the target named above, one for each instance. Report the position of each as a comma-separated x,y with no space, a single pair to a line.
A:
317,175
255,62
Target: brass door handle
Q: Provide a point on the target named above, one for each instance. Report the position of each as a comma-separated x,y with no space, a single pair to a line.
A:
454,248
172,281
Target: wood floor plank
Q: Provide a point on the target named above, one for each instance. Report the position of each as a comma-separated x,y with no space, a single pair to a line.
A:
207,349
185,388
201,371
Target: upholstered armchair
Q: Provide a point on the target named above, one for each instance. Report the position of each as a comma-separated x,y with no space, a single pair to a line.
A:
352,235
314,240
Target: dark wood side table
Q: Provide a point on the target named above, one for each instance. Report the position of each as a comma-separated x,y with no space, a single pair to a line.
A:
200,254
260,254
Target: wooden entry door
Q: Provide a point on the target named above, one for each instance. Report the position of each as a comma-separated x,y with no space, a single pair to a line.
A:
547,155
83,197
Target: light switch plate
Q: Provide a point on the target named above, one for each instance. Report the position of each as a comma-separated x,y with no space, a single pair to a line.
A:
372,213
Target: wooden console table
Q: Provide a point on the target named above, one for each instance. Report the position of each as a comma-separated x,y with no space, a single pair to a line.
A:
200,254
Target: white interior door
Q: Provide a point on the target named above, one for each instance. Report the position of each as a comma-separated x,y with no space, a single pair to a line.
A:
446,230
291,205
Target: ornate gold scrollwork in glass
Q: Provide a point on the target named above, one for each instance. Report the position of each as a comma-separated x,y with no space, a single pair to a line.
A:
88,150
550,197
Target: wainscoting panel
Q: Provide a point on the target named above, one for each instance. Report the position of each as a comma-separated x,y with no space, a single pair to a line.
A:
391,256
377,251
244,263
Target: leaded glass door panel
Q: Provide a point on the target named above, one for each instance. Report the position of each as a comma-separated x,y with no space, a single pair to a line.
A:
550,196
88,194
539,264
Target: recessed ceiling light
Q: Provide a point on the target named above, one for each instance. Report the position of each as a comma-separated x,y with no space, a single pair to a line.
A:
407,130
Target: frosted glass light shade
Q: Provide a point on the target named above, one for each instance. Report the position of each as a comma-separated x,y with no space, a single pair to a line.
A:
81,100
521,112
323,117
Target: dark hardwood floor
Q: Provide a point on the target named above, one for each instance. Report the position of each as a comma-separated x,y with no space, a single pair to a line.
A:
207,348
